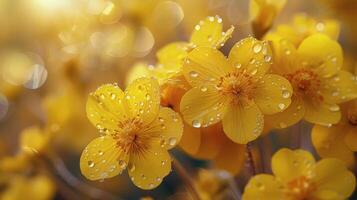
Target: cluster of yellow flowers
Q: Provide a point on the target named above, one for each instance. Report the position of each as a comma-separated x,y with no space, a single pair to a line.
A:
226,102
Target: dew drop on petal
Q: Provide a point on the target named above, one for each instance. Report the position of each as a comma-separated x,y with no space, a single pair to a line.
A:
267,58
334,108
203,89
172,141
122,164
257,48
286,94
91,164
193,74
281,106
196,124
100,153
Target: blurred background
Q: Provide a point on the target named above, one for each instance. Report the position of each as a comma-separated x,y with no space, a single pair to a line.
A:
53,53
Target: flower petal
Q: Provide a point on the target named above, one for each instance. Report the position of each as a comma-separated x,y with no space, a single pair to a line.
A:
211,141
139,70
263,186
169,126
209,33
284,57
321,53
273,94
288,164
328,142
148,170
173,55
202,107
243,124
102,159
252,55
143,98
351,137
332,175
292,115
106,107
231,156
323,114
191,139
340,88
205,66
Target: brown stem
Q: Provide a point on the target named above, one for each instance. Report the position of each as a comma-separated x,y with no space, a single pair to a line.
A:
250,159
190,185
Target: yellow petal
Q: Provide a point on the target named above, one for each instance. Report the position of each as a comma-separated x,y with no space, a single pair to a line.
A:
328,142
139,70
243,124
293,114
288,164
201,107
273,94
211,141
102,159
231,156
284,57
191,139
323,114
169,126
209,33
340,88
263,186
143,99
351,137
148,170
173,55
322,54
332,175
205,66
252,55
106,107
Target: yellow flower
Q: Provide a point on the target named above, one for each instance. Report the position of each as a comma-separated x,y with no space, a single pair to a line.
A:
302,27
137,133
39,187
236,91
208,32
319,85
262,13
338,141
298,176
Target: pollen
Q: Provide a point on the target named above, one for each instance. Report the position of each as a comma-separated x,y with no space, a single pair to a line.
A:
306,83
238,85
299,188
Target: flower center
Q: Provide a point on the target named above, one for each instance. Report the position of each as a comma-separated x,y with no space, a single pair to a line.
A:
300,188
238,86
130,137
305,82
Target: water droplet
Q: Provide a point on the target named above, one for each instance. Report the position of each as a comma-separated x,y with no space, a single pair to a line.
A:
102,96
197,27
334,108
91,164
287,52
158,179
100,153
320,26
255,70
172,141
238,65
196,124
286,94
203,89
122,164
281,106
148,97
113,96
267,58
131,167
193,74
257,48
162,143
252,61
333,59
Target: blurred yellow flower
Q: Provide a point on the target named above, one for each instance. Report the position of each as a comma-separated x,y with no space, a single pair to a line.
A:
39,187
137,133
319,85
302,27
297,176
237,91
263,13
338,141
208,32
